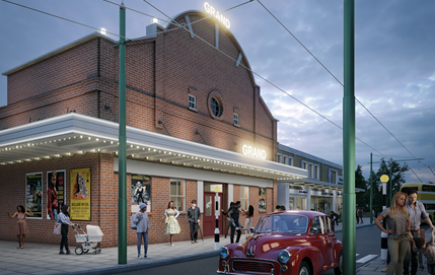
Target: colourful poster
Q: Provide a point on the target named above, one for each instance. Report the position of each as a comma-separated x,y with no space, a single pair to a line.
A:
34,194
80,194
55,193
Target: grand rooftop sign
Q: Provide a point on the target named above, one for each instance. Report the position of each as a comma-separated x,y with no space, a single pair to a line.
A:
254,152
210,10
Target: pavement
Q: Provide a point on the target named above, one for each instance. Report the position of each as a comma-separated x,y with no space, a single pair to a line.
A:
38,258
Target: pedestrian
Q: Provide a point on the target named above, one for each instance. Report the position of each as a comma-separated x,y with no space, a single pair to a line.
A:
416,212
360,214
335,217
142,228
356,214
172,227
22,229
63,218
283,208
398,232
235,226
232,204
428,250
194,217
277,208
248,222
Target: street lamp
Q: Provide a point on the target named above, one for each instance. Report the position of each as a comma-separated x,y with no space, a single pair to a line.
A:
216,231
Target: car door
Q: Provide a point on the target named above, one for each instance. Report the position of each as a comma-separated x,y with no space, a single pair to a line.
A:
318,239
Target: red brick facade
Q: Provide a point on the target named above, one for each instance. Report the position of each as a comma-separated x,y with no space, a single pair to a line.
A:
161,73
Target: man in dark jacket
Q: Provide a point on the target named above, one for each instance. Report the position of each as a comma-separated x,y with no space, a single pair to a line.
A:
234,215
194,217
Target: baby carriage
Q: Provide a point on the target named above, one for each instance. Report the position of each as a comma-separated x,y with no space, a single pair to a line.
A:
90,240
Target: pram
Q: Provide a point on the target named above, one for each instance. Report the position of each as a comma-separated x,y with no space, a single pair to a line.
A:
90,240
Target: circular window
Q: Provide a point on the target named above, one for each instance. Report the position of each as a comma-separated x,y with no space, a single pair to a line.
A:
216,107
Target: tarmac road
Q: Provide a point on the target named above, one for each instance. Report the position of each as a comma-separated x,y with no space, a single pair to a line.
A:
367,243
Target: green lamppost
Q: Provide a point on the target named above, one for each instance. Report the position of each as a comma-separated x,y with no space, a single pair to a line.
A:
349,198
122,153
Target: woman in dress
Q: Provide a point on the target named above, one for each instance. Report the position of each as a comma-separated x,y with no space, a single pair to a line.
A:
398,232
248,222
22,228
172,226
140,192
63,218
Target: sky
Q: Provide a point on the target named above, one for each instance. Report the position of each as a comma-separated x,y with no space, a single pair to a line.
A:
394,65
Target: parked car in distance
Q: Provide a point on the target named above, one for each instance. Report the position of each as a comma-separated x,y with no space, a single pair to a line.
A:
289,242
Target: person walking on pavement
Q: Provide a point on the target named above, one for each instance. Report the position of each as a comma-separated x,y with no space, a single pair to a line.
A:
235,226
428,250
172,227
356,214
416,212
22,229
335,217
142,228
398,232
248,222
63,218
228,218
194,217
360,214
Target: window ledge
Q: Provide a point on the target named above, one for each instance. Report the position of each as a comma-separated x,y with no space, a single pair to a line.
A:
236,125
193,109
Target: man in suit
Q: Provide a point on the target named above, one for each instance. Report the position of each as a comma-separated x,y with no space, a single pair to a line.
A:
194,217
234,215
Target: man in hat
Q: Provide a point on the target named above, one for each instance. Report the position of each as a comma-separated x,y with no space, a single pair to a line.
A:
142,229
193,216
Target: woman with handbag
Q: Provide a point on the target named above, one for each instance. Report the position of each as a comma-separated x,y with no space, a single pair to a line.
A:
172,226
21,228
63,218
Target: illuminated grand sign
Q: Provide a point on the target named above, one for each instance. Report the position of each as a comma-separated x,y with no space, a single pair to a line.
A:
210,10
254,152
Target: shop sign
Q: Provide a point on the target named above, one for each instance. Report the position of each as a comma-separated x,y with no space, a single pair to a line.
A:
34,194
80,185
254,152
303,192
210,10
57,200
327,194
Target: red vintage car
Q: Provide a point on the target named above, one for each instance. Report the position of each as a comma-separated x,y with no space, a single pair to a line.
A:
290,242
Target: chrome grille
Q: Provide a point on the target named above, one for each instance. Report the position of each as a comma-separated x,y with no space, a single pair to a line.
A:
252,266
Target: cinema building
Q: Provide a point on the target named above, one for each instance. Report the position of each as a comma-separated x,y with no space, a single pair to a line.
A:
195,121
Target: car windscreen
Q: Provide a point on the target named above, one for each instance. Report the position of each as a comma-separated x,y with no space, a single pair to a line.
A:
283,223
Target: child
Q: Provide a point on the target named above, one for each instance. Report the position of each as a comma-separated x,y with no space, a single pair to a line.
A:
428,250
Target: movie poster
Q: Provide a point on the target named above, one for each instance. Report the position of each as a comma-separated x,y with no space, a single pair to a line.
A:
34,194
55,193
141,190
80,194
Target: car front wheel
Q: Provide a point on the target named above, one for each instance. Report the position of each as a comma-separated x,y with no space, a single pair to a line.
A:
339,269
304,269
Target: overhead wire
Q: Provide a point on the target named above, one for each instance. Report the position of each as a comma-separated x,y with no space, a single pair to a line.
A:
334,77
63,18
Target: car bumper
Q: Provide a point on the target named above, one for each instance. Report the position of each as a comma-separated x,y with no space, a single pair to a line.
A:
248,266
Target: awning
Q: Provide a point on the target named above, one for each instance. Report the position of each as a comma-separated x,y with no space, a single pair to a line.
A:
73,133
319,184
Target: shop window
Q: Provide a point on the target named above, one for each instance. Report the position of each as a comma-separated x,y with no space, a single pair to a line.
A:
262,198
178,191
284,159
236,119
192,102
316,172
244,197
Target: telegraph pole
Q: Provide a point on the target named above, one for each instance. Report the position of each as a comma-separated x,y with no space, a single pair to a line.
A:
349,198
122,153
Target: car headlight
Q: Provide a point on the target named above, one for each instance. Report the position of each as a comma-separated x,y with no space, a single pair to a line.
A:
284,256
223,252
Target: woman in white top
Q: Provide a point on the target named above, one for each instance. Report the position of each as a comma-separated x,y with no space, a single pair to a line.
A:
172,226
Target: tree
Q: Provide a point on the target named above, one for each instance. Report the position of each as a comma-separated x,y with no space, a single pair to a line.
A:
397,176
360,182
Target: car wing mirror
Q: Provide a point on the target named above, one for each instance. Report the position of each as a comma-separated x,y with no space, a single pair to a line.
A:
252,230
